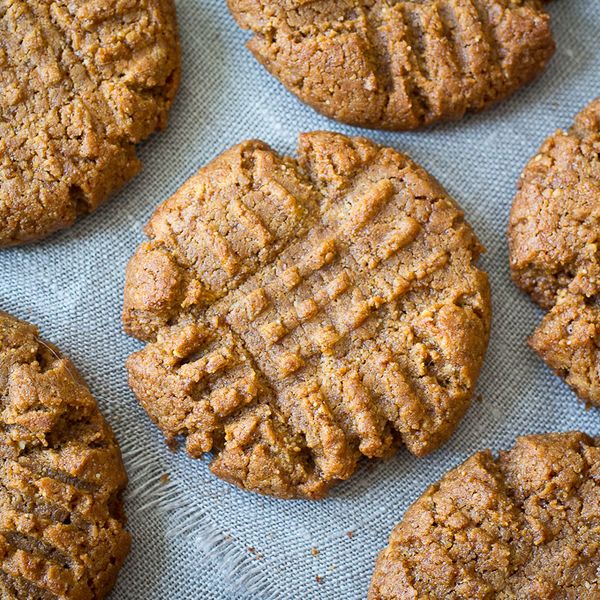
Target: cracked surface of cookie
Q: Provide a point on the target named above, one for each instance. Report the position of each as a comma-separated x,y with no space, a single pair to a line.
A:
62,532
303,313
398,64
554,234
523,525
80,84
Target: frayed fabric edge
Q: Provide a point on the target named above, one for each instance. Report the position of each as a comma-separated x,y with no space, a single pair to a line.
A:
150,490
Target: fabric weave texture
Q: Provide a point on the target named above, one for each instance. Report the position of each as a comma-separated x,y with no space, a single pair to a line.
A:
195,536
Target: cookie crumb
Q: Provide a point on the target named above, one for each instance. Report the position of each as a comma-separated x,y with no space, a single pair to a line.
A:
314,551
165,478
318,579
350,534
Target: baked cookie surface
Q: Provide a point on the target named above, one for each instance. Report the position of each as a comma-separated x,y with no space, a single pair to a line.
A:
400,64
80,84
303,313
62,524
523,525
553,235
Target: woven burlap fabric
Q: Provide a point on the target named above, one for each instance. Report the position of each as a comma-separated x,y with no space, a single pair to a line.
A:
195,536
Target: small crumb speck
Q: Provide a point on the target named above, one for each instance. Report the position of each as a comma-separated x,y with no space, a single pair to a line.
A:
318,579
314,551
350,534
164,478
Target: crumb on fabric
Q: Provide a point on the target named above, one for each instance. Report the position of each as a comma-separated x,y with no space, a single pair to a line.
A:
253,550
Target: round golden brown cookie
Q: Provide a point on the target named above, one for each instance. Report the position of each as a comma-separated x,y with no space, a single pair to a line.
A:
554,234
523,525
401,64
81,83
61,518
303,313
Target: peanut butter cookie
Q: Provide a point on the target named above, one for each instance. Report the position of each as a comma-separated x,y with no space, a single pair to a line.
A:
523,525
400,64
81,83
554,234
303,313
61,518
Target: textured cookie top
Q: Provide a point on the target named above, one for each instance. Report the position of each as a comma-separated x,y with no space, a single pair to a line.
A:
61,520
81,82
399,64
554,234
523,525
555,218
301,313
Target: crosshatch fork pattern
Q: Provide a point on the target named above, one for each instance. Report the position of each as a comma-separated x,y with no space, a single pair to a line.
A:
192,535
81,83
62,524
412,63
304,313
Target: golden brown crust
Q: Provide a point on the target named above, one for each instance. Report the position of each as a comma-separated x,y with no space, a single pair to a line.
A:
62,524
401,64
81,83
567,340
302,313
520,526
553,235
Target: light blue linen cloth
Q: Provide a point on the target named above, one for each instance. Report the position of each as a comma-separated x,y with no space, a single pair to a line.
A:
196,537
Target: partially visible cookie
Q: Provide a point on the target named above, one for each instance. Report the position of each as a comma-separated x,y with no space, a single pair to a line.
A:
554,237
402,64
303,313
523,525
568,341
62,524
81,83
